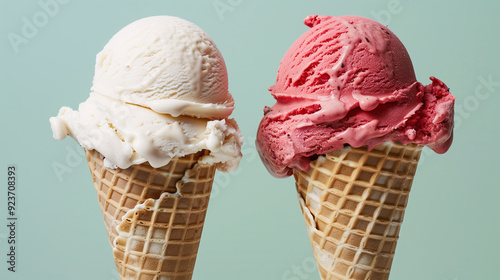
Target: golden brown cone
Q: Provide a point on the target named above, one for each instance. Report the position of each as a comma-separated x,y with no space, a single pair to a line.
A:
353,201
154,216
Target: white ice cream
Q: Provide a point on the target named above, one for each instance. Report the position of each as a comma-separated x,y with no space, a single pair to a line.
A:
160,91
167,64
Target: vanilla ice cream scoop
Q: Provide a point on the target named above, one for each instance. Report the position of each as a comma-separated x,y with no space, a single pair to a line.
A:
167,64
160,91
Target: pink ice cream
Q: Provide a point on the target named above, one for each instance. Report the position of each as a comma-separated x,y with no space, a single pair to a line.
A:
349,81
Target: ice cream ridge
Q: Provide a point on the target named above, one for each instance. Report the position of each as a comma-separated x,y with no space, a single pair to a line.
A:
155,128
349,123
349,81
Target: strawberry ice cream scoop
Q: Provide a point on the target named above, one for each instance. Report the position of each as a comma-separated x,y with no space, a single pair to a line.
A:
349,81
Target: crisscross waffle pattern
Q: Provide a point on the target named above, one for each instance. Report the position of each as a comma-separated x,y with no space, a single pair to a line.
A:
353,201
154,216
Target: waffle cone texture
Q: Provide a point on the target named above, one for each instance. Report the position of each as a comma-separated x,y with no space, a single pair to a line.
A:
353,201
154,216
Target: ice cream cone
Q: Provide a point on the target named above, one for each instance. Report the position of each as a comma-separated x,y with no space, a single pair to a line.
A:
353,201
154,216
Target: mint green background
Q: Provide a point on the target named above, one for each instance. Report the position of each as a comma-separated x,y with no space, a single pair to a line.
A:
254,228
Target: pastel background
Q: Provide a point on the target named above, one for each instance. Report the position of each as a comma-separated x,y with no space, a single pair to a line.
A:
254,228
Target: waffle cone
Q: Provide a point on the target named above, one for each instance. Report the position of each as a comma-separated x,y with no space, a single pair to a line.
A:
353,201
154,216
